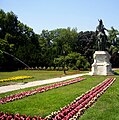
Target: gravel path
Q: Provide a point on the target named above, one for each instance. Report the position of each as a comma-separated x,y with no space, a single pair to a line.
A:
8,88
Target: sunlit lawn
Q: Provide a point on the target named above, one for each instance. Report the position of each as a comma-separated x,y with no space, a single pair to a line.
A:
36,74
106,107
44,103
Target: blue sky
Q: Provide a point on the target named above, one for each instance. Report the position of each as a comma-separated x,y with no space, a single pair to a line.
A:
53,14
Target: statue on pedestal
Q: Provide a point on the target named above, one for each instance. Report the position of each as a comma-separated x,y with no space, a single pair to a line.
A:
101,36
101,64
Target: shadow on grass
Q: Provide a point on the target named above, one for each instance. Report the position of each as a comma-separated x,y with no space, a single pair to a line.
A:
116,73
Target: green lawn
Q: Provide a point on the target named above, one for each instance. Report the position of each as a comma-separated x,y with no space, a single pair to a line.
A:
37,75
106,107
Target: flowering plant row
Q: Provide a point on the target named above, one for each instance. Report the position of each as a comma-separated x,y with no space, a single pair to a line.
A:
17,116
15,78
38,90
72,111
76,108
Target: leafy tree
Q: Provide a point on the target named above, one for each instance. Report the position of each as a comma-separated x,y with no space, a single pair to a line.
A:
82,63
114,46
22,41
112,36
4,45
2,24
45,42
11,23
72,60
64,40
60,47
86,44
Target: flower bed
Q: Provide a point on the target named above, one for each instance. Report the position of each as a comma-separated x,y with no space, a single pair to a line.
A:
38,90
80,104
72,111
15,78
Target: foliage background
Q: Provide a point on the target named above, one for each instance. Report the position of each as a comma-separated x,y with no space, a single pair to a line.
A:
62,47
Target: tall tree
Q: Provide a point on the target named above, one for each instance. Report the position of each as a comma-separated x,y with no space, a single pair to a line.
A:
86,44
114,46
112,36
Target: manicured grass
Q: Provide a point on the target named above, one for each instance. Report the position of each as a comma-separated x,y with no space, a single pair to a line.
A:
21,90
36,74
44,103
106,107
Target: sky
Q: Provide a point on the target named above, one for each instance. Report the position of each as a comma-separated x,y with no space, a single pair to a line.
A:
52,14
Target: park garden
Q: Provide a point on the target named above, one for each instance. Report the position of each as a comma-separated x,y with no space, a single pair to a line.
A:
26,57
61,48
86,97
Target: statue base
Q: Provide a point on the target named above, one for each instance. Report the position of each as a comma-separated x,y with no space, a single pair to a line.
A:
101,65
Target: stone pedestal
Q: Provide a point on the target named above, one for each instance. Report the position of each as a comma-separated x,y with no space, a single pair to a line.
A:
101,65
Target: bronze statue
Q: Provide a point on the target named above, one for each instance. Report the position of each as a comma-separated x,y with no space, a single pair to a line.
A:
101,36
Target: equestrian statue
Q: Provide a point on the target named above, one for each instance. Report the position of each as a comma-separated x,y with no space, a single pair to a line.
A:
101,36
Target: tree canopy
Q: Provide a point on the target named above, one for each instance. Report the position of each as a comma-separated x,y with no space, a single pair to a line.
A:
48,48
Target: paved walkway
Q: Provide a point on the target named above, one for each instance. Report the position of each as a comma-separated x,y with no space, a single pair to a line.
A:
8,88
